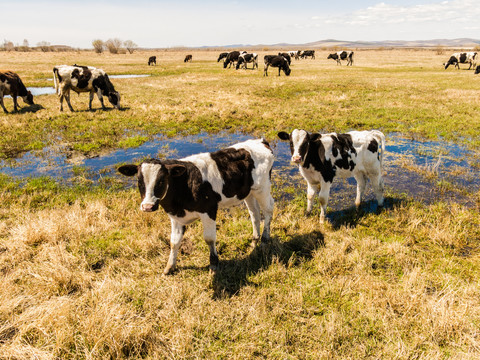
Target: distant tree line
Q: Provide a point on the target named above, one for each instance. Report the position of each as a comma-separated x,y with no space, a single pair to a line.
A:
114,46
44,46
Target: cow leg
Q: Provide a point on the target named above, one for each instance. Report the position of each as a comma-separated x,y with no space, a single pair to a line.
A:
279,71
100,98
15,102
265,200
66,95
3,106
175,240
361,182
210,236
91,94
265,70
311,191
254,211
323,196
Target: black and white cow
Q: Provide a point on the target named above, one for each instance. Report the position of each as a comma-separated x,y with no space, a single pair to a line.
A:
462,58
11,84
222,56
84,79
152,60
247,58
276,61
323,157
308,53
293,54
195,187
287,57
342,55
231,58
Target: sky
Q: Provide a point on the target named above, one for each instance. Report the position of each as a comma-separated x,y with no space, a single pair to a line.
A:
249,22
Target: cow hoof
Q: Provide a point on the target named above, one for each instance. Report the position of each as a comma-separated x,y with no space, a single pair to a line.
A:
168,270
213,269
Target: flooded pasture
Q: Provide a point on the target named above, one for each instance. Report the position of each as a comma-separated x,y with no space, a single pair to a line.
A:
424,170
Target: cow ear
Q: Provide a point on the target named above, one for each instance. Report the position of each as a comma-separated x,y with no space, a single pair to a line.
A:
283,135
128,170
176,170
315,136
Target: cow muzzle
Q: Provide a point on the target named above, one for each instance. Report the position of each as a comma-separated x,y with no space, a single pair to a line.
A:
296,159
148,207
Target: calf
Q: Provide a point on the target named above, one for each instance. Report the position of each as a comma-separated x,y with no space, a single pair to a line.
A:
231,58
222,56
152,60
462,58
11,84
322,157
247,58
84,79
287,57
308,53
195,187
276,61
188,58
342,55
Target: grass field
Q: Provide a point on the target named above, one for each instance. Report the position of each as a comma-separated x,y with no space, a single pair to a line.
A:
81,266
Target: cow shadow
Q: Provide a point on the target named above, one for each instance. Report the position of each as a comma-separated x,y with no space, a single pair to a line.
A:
233,274
30,109
107,109
351,217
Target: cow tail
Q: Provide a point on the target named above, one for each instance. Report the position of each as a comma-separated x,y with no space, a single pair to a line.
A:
55,80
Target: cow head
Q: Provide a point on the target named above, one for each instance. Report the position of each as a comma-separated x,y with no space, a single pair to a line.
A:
240,61
450,61
28,99
299,143
114,98
154,178
477,70
332,56
225,63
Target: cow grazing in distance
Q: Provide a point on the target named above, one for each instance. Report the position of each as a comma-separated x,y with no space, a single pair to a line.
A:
308,53
188,58
462,58
222,55
323,157
195,187
276,61
84,79
287,57
152,60
11,84
293,54
231,58
245,59
342,55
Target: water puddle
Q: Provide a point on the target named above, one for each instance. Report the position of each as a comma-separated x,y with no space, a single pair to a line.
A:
128,76
427,171
36,91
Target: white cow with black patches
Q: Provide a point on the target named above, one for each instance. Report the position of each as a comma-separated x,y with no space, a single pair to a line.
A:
197,186
323,157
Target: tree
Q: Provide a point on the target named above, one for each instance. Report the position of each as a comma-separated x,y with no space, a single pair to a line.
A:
25,46
44,46
8,45
98,46
130,46
113,45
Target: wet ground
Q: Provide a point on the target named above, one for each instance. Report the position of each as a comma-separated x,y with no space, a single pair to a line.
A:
427,171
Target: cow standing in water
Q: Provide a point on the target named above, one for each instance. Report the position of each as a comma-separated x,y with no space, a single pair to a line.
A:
11,84
195,187
84,79
323,157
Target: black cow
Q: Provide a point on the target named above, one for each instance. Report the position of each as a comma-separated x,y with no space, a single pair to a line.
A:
342,55
188,58
222,56
195,187
231,58
84,79
276,61
308,53
152,60
11,84
477,70
286,56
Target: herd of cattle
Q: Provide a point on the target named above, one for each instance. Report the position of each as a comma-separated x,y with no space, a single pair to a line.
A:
197,186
